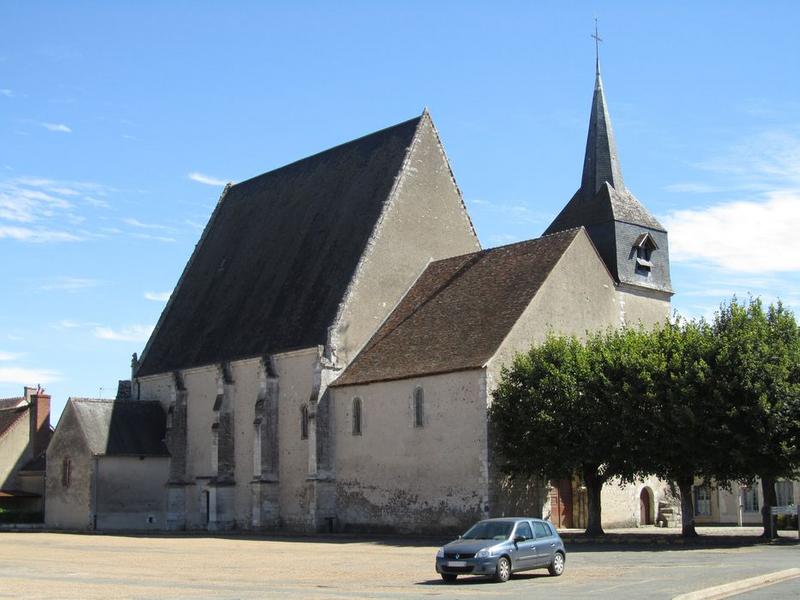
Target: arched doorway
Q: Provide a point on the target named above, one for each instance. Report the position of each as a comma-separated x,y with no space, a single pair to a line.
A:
646,507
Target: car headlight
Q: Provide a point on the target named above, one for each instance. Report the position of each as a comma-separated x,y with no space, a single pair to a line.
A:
485,553
440,552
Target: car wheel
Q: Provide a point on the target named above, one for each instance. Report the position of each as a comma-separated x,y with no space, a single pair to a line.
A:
503,571
449,577
556,568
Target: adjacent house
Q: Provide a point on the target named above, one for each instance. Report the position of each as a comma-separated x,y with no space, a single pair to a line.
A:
24,434
107,466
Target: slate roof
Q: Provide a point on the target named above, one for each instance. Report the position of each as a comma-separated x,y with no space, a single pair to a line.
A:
458,312
122,428
602,196
607,205
9,416
277,256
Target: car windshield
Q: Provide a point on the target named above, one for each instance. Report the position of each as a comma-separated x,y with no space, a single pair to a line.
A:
489,530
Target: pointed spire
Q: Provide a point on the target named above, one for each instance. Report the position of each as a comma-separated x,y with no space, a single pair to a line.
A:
600,164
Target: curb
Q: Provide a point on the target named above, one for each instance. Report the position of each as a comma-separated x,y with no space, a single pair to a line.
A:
738,587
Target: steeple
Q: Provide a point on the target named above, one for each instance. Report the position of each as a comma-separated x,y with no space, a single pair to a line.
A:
618,224
600,163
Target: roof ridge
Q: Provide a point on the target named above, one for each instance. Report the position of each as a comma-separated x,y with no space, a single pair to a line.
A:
331,148
518,243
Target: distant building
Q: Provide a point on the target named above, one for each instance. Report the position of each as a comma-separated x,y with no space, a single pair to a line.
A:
24,434
107,466
739,504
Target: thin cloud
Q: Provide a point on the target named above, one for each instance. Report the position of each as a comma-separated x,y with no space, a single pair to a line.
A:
26,376
155,238
38,236
69,284
132,333
206,179
59,127
157,296
7,93
9,355
137,223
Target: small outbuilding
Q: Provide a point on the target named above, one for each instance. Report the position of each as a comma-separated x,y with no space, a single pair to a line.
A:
107,466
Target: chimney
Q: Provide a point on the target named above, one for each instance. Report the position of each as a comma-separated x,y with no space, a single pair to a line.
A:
40,421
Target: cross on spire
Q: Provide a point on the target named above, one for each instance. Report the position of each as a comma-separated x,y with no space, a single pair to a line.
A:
597,40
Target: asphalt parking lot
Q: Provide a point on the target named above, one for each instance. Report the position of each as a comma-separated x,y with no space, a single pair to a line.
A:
62,565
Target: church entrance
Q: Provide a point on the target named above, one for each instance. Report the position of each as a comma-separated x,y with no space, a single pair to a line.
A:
561,503
645,504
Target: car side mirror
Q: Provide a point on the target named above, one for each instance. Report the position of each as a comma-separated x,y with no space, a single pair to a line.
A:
519,538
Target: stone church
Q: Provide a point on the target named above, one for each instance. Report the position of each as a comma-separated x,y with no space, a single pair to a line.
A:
326,359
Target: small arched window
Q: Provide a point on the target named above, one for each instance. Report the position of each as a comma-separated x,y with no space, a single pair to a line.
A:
170,416
304,422
356,416
419,407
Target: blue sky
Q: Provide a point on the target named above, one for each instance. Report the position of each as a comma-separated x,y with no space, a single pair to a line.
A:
120,122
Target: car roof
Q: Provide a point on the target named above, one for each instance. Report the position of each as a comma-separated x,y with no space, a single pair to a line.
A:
513,519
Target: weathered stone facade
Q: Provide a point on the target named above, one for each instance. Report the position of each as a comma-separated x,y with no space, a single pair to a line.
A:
341,378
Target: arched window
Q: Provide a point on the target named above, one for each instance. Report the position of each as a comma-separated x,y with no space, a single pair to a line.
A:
419,407
356,416
170,416
304,422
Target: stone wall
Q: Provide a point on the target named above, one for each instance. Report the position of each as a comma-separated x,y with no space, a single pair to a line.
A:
131,492
70,507
425,220
398,477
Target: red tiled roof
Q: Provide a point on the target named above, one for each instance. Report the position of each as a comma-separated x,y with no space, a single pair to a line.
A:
458,312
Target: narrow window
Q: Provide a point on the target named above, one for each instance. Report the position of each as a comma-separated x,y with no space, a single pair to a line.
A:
66,472
702,501
257,449
750,499
784,490
419,407
170,416
304,422
356,416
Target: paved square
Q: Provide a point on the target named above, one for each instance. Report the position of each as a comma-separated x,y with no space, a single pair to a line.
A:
50,565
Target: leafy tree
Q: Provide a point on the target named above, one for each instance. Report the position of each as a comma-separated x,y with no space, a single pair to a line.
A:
563,408
757,377
687,440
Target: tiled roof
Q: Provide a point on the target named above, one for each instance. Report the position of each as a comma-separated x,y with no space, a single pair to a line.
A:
9,416
11,402
124,427
458,312
276,258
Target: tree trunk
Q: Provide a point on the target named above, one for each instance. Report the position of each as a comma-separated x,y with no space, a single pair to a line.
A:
687,507
769,520
594,485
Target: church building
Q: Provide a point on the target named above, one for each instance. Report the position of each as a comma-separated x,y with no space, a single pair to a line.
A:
327,357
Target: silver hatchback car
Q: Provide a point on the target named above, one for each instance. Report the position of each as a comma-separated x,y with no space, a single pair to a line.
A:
499,547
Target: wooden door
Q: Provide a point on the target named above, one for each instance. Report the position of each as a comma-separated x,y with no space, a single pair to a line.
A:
561,503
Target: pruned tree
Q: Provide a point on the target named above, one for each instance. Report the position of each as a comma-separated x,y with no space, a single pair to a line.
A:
688,423
757,376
